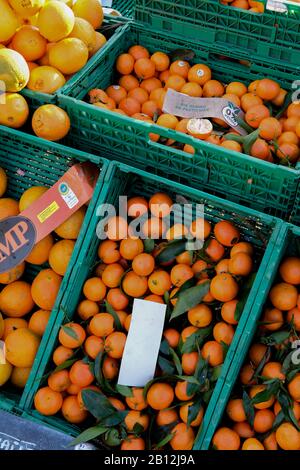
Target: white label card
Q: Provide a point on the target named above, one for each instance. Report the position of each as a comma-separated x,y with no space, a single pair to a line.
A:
143,343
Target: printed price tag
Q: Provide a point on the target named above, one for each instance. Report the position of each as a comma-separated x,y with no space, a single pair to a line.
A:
186,106
142,344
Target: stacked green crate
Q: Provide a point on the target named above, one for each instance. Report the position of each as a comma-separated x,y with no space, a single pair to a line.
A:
30,161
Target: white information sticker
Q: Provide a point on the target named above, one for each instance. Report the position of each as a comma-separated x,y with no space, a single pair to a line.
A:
68,195
143,343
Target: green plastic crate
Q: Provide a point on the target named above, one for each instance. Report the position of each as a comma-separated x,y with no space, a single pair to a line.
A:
285,246
30,161
37,99
126,180
126,7
261,185
295,218
272,35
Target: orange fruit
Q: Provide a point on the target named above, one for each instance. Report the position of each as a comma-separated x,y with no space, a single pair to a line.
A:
180,273
154,298
200,316
189,362
117,403
134,285
236,88
16,299
288,137
150,108
181,391
215,250
38,321
160,396
138,52
144,68
183,437
94,289
228,311
240,264
185,258
256,114
45,79
289,152
71,227
71,335
294,387
73,389
45,288
20,376
248,100
290,270
180,67
188,331
183,413
133,443
110,368
199,268
232,145
60,256
165,417
131,247
246,374
213,88
252,444
243,429
212,351
270,442
136,417
139,94
116,92
159,282
273,319
267,89
117,299
290,124
71,410
175,82
192,89
112,275
199,73
14,111
269,128
47,401
160,205
161,61
223,287
172,336
222,266
223,333
8,207
114,344
137,206
80,374
226,233
40,252
13,274
87,309
257,352
283,296
21,347
50,122
29,43
136,401
226,439
93,346
200,228
241,247
125,64
176,231
102,324
151,84
263,421
128,82
59,381
116,229
108,252
62,354
143,264
288,437
30,196
12,324
255,389
235,410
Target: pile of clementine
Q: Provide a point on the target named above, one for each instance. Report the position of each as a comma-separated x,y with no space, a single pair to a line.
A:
195,338
254,6
26,306
142,84
265,411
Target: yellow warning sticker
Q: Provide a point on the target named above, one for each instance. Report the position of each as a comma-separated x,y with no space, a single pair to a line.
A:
46,213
